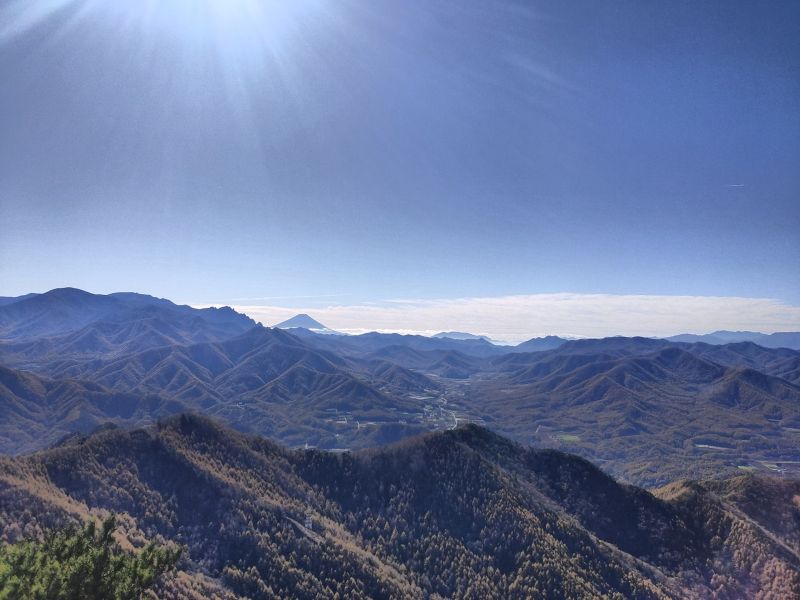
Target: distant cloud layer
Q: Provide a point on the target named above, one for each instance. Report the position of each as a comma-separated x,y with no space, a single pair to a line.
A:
517,318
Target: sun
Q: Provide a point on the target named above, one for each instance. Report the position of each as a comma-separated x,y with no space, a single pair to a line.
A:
230,20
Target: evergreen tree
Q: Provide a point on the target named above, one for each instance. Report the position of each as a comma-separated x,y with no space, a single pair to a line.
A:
84,564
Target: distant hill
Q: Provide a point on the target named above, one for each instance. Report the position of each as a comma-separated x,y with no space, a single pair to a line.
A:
460,335
458,514
303,321
787,339
549,342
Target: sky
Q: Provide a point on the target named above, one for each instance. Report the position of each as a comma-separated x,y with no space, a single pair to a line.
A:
510,168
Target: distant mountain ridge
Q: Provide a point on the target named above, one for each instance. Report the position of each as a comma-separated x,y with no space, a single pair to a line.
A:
784,339
66,310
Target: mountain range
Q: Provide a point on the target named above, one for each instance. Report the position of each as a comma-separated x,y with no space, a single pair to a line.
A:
455,514
75,321
785,339
647,410
422,467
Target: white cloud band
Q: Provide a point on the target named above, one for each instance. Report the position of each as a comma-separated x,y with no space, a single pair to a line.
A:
520,317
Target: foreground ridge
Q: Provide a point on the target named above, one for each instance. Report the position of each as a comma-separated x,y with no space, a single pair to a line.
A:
458,514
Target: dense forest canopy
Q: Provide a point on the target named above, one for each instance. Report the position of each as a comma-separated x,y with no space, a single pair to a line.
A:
85,564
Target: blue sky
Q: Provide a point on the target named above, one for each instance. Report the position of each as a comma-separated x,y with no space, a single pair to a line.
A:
324,153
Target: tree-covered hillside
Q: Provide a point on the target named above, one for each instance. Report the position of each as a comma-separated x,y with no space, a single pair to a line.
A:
459,514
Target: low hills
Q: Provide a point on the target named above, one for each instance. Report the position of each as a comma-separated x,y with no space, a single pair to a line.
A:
457,514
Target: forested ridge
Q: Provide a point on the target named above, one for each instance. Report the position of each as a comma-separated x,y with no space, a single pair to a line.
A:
458,514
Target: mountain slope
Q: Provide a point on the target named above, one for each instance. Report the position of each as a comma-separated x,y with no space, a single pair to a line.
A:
35,412
462,514
11,299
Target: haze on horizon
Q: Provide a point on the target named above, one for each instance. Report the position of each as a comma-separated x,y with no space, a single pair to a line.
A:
506,168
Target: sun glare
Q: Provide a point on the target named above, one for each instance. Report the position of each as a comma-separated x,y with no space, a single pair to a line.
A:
232,20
